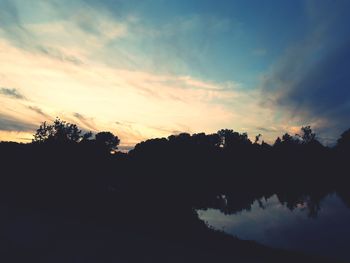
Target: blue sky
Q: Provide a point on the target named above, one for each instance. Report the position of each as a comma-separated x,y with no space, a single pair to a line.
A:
152,68
221,40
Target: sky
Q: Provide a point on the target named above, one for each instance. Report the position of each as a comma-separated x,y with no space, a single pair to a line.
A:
152,68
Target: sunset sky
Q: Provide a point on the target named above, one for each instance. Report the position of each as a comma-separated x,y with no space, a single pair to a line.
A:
152,68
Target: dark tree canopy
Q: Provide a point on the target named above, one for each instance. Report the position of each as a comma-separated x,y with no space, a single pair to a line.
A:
230,138
287,138
107,140
60,131
277,142
344,140
308,136
155,189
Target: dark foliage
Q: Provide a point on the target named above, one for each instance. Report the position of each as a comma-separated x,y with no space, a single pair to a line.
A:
141,206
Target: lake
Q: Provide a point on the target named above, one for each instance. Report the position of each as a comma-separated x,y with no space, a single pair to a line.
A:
272,223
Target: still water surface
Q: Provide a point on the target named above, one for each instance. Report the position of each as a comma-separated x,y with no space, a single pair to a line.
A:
273,224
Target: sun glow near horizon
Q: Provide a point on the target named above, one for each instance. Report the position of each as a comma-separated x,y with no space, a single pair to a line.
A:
136,77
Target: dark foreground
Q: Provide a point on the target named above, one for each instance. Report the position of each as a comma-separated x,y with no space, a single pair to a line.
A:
29,236
75,202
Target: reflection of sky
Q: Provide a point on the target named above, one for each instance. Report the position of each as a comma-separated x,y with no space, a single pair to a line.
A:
277,226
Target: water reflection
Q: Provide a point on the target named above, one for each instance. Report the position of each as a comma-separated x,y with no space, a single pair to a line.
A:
274,224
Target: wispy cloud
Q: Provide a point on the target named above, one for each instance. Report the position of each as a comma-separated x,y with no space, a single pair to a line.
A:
39,111
9,123
85,31
267,130
148,99
87,122
173,47
59,55
12,93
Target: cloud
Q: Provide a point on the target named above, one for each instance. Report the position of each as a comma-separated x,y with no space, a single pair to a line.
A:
104,27
63,54
50,37
311,83
39,111
12,93
87,122
180,44
9,14
55,53
182,89
8,123
11,26
268,130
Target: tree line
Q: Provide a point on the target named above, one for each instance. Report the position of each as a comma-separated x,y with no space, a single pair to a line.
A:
157,187
61,132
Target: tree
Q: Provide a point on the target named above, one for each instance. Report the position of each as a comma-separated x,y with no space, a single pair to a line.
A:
181,139
59,131
287,138
87,136
308,136
107,140
230,138
344,140
257,138
210,140
277,142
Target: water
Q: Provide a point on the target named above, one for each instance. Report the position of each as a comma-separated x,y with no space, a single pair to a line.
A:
275,225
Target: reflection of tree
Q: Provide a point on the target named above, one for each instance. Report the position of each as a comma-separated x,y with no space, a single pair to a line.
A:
233,203
309,199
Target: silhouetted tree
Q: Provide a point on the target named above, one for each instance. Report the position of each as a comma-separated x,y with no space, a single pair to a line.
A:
230,138
265,145
60,131
87,136
257,138
180,139
210,140
287,138
107,140
344,140
308,136
277,142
